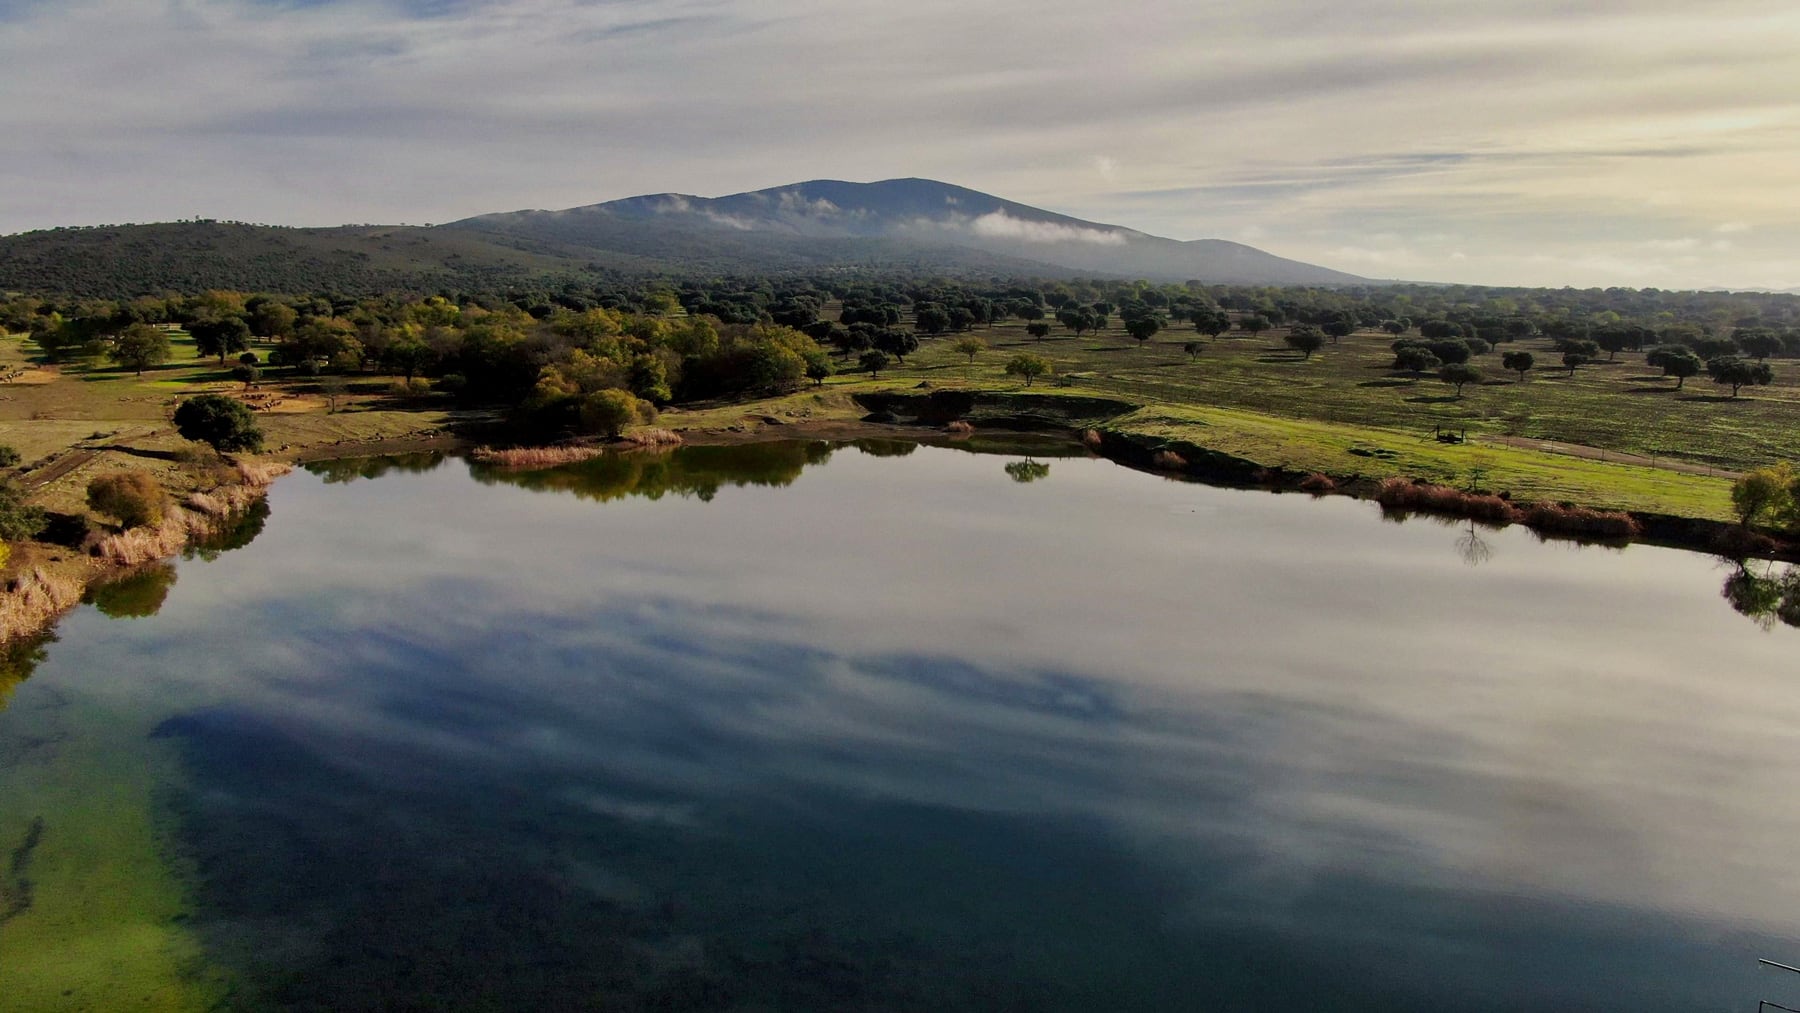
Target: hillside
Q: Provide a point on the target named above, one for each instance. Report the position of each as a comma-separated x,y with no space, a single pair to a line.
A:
907,225
919,213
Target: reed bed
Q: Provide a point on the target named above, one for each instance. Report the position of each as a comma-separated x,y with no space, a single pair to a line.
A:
1562,519
653,438
533,457
35,598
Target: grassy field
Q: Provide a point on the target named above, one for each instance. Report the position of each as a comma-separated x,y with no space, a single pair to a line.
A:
1342,412
1345,412
49,411
1620,406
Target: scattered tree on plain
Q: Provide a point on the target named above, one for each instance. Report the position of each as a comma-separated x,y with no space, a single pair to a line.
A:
220,422
140,345
1305,339
1416,359
1143,328
1518,362
1028,366
1459,373
221,337
1736,373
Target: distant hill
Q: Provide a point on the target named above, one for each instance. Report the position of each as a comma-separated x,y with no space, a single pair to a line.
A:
911,225
917,213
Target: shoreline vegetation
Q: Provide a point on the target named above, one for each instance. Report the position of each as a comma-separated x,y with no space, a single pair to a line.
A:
1327,392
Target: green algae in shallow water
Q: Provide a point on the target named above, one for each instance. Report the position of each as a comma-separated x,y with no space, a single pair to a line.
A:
99,911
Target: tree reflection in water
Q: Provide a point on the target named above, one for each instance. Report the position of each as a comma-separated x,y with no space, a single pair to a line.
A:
1764,598
1027,470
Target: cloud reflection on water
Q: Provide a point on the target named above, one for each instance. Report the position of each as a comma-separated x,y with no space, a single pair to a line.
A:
1308,728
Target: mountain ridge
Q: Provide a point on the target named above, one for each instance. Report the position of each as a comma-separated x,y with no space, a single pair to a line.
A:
935,213
910,225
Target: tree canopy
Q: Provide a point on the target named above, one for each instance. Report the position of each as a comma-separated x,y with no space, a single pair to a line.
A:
225,424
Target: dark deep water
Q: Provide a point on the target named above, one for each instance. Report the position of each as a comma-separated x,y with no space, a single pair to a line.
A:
796,727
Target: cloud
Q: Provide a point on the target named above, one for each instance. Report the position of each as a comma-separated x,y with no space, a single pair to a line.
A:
794,202
1000,225
1626,122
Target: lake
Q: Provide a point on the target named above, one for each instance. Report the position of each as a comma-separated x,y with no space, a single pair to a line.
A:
802,726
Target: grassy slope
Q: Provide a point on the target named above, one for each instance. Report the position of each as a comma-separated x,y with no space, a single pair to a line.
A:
49,412
1253,398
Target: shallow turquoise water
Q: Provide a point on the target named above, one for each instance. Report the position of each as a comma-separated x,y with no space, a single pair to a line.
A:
798,726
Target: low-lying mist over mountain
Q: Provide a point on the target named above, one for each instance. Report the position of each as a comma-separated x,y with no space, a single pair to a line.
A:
900,224
924,213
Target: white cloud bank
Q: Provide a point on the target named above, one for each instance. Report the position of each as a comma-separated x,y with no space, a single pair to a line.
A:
1000,225
1547,146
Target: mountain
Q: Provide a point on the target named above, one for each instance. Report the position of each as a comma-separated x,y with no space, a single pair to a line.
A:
845,218
903,225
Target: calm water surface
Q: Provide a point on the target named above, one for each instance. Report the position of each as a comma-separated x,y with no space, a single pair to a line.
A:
797,727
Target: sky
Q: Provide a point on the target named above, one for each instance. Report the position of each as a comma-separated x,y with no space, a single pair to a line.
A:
1508,142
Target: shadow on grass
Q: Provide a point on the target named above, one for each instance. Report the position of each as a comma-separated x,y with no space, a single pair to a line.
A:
156,455
1649,390
1714,399
1392,381
1428,399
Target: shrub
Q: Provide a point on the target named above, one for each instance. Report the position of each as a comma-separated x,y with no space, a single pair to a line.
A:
18,519
413,389
136,498
1581,522
608,412
1318,484
1400,494
1169,460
